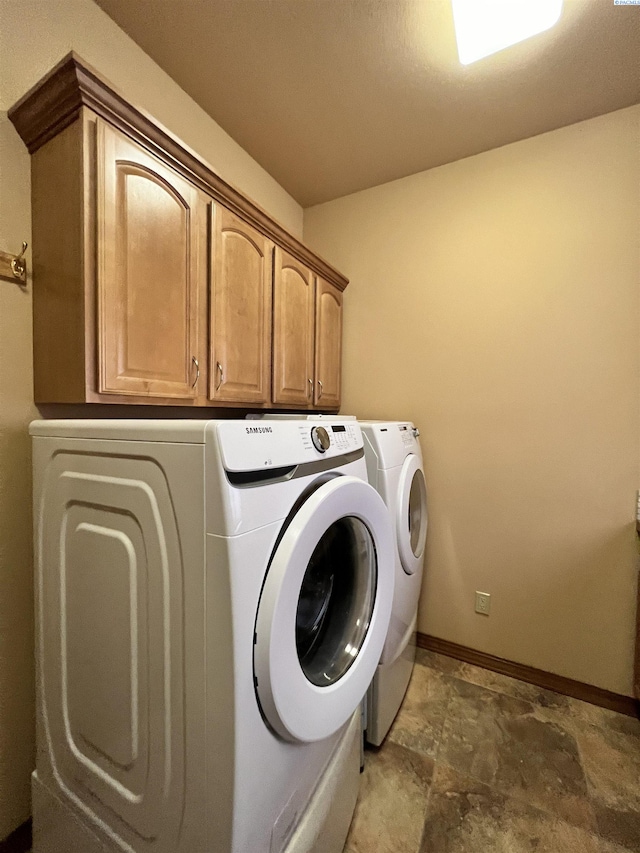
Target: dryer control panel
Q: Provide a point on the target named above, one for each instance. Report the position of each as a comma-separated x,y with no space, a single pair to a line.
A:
407,434
391,441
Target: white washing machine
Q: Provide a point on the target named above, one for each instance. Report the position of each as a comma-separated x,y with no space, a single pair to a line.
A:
395,469
212,599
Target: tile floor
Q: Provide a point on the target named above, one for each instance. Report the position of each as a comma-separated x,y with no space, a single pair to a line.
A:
477,762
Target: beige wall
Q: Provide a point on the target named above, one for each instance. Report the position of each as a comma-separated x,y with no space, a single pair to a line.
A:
495,302
34,35
16,410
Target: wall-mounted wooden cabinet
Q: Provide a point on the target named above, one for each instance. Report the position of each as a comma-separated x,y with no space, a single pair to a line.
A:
154,280
293,321
307,336
150,272
328,346
240,311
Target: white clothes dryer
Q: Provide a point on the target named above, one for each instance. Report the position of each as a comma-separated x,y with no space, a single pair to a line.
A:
212,600
395,469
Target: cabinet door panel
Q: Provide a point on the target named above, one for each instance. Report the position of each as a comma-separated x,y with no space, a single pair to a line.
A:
240,321
328,348
293,319
148,271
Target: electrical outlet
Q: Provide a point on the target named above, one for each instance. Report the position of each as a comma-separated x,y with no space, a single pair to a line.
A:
483,602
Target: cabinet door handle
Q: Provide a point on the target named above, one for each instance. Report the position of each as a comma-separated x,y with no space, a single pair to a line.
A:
197,366
310,381
321,389
221,372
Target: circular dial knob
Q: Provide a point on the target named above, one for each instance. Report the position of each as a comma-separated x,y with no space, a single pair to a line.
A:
320,438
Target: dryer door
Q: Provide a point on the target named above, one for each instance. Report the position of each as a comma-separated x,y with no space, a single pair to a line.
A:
324,610
411,520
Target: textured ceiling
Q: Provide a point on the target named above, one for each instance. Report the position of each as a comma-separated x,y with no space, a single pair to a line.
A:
333,96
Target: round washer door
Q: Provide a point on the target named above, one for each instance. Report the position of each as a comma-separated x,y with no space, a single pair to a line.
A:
411,520
324,610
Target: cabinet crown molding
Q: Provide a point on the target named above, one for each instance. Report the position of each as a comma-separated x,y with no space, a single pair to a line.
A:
56,101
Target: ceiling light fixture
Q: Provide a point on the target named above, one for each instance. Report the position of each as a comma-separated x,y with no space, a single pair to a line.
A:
484,27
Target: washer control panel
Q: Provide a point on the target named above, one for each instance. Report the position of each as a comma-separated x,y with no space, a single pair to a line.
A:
330,437
251,445
345,436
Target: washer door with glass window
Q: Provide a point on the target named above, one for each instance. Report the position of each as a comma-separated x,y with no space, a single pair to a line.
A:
411,520
324,610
